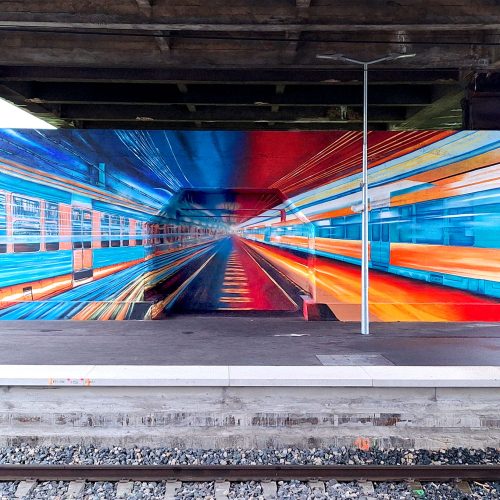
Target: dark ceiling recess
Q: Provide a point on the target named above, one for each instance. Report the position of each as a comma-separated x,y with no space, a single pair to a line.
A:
482,102
250,64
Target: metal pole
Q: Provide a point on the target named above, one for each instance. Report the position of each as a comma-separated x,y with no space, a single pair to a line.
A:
365,320
365,213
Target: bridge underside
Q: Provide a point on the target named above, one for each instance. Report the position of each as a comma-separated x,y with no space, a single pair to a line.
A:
252,65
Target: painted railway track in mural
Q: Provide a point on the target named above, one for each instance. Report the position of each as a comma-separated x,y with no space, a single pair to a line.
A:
236,280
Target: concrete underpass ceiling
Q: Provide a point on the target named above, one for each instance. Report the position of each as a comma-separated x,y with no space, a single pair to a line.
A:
251,64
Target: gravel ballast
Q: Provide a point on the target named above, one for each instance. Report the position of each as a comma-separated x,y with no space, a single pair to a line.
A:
92,455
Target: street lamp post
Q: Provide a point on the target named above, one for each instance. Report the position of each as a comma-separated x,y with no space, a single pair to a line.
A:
365,320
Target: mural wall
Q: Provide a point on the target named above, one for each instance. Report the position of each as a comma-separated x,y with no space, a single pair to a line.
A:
146,224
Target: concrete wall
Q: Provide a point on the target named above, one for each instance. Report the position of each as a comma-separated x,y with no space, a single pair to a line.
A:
420,417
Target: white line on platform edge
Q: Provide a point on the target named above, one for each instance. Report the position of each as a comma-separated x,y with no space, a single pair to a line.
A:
249,376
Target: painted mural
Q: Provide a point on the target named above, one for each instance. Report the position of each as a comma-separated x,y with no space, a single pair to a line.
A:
148,224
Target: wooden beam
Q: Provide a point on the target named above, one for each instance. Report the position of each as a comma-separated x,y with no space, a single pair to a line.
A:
252,27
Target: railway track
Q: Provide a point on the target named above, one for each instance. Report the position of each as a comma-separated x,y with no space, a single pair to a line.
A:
268,476
250,472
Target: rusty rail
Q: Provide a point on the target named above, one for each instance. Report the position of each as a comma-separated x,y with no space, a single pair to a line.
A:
249,473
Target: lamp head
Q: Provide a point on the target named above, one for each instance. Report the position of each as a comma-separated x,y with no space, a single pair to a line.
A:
341,57
394,55
331,57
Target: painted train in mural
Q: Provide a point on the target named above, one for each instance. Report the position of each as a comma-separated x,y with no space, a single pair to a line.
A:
450,241
71,250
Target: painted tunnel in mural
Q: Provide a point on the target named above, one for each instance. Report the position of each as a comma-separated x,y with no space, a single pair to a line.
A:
145,224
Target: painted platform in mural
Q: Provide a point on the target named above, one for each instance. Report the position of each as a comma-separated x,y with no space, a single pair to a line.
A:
147,224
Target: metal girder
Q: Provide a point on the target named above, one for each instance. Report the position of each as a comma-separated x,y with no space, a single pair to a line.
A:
152,125
289,75
239,95
228,114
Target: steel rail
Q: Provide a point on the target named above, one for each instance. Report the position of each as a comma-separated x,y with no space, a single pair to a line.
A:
249,473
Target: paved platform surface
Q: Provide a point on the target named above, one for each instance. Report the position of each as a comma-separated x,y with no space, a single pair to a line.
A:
216,340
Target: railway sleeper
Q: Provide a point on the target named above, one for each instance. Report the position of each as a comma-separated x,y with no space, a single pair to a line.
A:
171,489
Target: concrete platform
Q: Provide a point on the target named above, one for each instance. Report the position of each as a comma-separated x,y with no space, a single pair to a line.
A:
225,340
212,381
244,406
